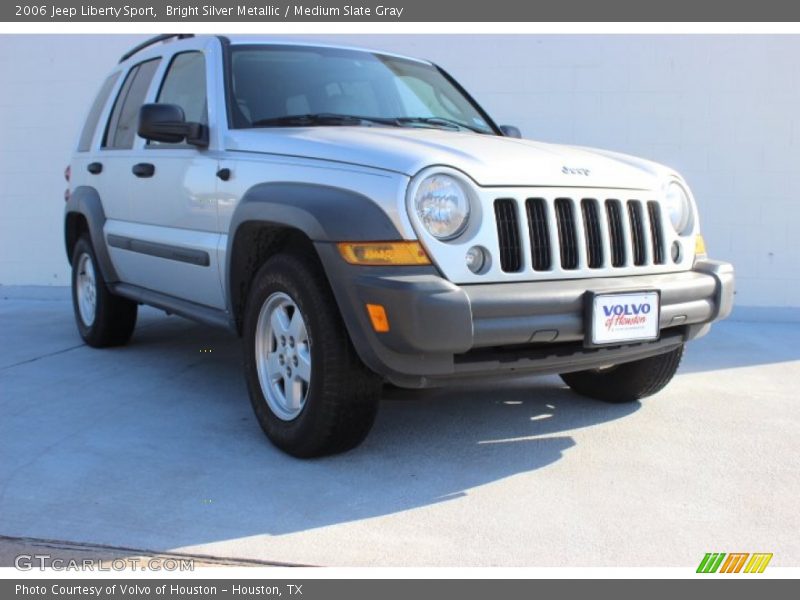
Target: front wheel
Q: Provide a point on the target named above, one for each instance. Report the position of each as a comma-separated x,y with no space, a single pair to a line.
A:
311,393
626,382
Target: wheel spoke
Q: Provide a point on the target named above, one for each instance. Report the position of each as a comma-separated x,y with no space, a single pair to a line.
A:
297,329
294,392
303,368
279,321
274,366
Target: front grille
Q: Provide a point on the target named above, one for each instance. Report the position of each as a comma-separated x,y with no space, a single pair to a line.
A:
578,233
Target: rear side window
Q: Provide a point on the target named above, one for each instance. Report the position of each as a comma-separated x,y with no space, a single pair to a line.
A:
85,142
121,130
185,85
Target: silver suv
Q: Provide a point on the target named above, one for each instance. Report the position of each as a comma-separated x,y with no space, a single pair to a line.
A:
357,218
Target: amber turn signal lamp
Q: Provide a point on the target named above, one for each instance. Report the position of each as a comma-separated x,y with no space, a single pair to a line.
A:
380,254
377,314
699,246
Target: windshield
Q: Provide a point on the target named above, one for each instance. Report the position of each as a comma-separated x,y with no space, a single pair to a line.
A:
280,86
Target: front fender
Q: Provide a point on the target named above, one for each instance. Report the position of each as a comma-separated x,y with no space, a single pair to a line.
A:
322,213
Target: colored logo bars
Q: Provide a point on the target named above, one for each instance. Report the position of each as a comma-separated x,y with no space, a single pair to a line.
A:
714,562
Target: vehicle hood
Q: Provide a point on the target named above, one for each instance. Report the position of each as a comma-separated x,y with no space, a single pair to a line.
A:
488,160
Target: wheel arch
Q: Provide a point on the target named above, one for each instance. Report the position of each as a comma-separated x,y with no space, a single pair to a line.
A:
75,225
274,217
84,214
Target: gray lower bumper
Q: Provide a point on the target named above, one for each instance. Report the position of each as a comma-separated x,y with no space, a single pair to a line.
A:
508,314
439,331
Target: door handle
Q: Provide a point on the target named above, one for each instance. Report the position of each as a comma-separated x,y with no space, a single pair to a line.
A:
143,169
95,168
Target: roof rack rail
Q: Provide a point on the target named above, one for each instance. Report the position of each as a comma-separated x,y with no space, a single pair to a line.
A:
154,40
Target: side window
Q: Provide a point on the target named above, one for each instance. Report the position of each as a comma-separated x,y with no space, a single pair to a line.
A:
121,130
185,85
85,142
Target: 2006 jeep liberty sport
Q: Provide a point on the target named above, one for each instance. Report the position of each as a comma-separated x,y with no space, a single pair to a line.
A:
357,218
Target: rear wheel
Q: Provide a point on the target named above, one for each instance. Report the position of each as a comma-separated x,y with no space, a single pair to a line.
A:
103,319
311,393
626,382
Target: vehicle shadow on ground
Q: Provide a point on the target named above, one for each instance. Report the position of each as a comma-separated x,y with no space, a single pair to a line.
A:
736,344
167,428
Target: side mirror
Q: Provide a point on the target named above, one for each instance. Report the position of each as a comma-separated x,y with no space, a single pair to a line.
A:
167,123
511,131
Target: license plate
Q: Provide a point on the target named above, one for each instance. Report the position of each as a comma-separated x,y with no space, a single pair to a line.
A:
624,317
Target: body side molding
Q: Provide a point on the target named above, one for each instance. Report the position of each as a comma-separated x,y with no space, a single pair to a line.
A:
159,250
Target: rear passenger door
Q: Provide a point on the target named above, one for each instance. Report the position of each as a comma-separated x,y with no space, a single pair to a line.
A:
168,240
109,169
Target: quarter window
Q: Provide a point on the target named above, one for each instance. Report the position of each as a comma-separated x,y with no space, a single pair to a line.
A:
121,130
85,142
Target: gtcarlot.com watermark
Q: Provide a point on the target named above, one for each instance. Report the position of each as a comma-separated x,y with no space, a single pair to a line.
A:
29,562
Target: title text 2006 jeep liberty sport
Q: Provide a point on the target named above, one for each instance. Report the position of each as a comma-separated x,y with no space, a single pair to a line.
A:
358,218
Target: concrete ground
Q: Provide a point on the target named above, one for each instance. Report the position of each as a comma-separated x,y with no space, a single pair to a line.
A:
152,448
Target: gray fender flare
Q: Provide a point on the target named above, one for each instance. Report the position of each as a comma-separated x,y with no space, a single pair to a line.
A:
85,200
323,213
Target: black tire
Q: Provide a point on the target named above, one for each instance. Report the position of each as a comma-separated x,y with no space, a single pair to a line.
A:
626,382
342,397
114,316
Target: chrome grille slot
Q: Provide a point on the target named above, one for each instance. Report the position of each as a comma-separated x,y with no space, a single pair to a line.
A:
616,235
505,210
594,241
536,209
567,235
656,233
637,232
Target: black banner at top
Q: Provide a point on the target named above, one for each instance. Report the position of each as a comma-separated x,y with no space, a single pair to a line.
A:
397,11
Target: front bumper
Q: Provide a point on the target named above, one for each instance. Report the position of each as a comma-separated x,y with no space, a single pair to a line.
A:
441,331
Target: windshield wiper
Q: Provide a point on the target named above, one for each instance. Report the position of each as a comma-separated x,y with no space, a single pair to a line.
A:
312,119
439,122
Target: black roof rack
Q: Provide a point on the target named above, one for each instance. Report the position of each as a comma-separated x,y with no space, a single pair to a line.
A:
154,40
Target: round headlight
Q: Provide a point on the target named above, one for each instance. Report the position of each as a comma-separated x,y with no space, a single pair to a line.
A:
442,204
678,206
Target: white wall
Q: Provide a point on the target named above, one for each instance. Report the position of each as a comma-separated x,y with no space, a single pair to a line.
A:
723,110
47,83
